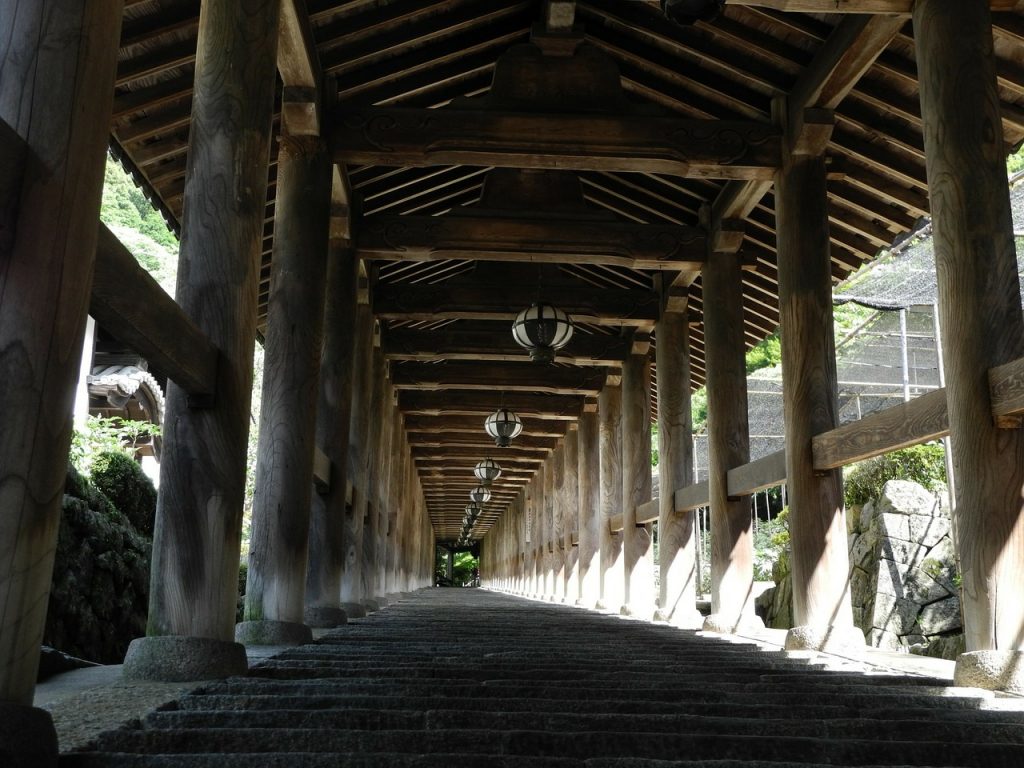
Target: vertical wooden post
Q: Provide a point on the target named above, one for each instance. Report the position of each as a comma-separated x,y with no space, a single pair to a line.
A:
639,596
677,532
817,521
979,307
613,579
548,542
589,510
570,516
57,60
276,584
333,418
375,440
197,539
557,538
732,541
351,584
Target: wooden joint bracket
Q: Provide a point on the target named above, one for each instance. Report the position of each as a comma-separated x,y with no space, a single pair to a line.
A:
810,131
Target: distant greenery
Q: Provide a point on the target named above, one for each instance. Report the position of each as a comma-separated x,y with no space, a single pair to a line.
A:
766,354
139,226
1015,163
924,464
103,435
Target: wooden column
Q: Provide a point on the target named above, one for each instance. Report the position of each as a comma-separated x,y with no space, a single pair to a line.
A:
548,553
276,584
375,438
817,520
351,583
732,536
677,531
639,590
979,305
197,539
57,60
557,538
589,510
613,579
333,418
570,515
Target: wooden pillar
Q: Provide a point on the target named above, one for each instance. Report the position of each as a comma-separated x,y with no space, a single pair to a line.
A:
677,531
732,536
276,583
375,445
556,541
979,306
196,544
57,59
570,516
817,521
613,579
547,542
351,583
639,596
333,419
590,518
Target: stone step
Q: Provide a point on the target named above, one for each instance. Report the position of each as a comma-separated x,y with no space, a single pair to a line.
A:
703,746
759,694
431,720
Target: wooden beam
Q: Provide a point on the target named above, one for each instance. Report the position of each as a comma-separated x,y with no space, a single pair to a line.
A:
648,512
692,497
495,343
128,302
534,239
475,402
615,524
1006,385
766,472
459,423
508,377
900,7
300,71
921,419
679,146
486,301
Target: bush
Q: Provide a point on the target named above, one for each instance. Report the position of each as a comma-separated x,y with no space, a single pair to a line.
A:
924,464
122,481
100,590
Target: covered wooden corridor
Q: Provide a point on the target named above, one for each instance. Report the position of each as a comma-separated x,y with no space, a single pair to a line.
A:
377,189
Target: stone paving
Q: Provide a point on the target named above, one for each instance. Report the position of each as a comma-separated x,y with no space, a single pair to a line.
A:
463,678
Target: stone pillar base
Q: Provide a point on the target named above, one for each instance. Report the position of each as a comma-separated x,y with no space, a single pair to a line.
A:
354,610
27,737
691,619
991,670
723,624
843,640
270,632
181,659
371,604
324,616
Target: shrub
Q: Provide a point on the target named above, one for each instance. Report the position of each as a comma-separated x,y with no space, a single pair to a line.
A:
122,481
924,464
99,595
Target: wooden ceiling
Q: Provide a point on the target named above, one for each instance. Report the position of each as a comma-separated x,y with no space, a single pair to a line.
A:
445,313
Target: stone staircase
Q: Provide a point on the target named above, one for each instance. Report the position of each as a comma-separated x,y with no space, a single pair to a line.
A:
461,678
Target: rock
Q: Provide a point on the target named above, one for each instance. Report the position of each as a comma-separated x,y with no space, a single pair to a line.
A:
946,647
941,617
880,638
895,615
991,670
900,580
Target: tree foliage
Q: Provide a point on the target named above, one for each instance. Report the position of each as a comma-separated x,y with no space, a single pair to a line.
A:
924,464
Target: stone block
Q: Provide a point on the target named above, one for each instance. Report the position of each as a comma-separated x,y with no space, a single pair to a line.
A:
940,617
845,640
895,614
863,550
177,659
880,638
27,737
269,632
862,588
991,670
901,580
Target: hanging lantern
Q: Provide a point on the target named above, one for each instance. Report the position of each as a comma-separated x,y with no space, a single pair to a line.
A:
480,495
503,425
542,329
487,471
